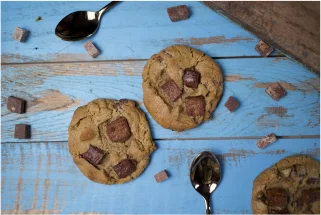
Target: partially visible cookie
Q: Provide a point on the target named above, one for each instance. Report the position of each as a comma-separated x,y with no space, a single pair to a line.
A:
110,141
291,186
182,87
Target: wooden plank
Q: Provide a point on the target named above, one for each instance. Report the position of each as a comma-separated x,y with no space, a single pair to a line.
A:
54,91
291,27
41,178
124,32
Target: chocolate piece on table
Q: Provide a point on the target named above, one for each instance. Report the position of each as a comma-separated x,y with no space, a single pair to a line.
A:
171,90
276,91
276,197
118,130
161,176
264,49
231,104
16,105
195,106
22,131
20,34
91,49
191,78
265,141
124,168
178,13
94,155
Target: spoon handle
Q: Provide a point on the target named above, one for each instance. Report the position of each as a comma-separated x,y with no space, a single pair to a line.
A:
107,7
207,204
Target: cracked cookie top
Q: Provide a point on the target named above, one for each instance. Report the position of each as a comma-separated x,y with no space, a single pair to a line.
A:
110,141
291,186
182,87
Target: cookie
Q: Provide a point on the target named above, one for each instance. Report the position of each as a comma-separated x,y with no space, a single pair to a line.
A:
182,87
110,141
291,186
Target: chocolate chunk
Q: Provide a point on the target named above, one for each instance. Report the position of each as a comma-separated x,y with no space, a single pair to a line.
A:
276,91
195,106
22,131
20,34
178,13
313,181
171,90
91,49
94,155
265,141
124,168
191,78
161,176
263,48
311,195
279,211
16,105
276,197
87,134
231,104
118,130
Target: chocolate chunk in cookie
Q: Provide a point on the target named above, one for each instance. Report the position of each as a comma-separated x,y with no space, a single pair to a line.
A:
279,211
94,155
311,195
171,90
191,78
124,168
276,91
195,106
118,130
313,181
231,104
276,197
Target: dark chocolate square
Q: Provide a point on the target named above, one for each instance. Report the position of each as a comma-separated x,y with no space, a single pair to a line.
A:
276,91
124,168
195,106
263,48
191,78
94,155
161,176
171,90
231,104
16,105
118,130
178,13
22,131
276,197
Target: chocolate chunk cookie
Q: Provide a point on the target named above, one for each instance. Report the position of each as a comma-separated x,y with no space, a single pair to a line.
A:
291,186
110,141
182,87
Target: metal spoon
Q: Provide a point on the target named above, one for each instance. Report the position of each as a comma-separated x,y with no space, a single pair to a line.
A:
81,24
205,175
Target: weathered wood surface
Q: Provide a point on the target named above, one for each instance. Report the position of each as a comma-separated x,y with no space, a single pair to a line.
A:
124,32
291,27
54,91
41,178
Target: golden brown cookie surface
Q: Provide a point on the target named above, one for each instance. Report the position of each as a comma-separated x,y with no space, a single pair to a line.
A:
110,141
291,186
182,87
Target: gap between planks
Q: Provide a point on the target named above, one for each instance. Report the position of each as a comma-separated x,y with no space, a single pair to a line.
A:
207,138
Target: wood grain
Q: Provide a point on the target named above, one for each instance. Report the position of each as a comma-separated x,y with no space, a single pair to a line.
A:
291,27
123,34
54,91
41,178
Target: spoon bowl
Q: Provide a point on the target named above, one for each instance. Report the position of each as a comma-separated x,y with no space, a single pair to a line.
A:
205,176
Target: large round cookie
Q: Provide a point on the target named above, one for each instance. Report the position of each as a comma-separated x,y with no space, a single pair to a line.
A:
110,141
182,87
291,186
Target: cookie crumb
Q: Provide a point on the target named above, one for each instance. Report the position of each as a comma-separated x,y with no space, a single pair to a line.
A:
265,141
161,176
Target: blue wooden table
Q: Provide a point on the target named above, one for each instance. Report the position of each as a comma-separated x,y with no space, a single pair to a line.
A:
56,77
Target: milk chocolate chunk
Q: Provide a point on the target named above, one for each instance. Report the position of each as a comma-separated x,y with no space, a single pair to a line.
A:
178,13
171,90
22,131
231,104
263,48
16,105
161,176
94,155
118,130
124,168
195,106
265,141
276,91
91,49
20,34
276,197
191,78
311,195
